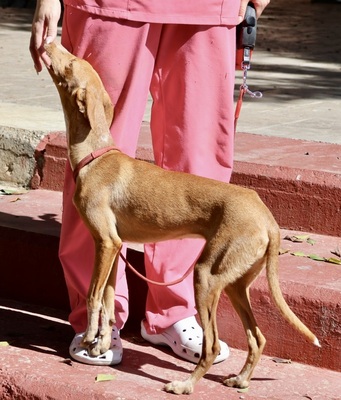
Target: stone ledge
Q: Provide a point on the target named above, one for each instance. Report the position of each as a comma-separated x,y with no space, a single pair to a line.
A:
300,181
17,154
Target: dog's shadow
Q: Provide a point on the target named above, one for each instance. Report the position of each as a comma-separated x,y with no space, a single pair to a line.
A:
46,331
137,358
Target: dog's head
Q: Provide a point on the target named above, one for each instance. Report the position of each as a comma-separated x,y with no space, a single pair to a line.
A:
78,82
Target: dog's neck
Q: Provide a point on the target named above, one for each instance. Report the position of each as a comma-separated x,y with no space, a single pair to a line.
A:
93,141
82,138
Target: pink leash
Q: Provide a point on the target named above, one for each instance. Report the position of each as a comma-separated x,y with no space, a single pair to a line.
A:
190,269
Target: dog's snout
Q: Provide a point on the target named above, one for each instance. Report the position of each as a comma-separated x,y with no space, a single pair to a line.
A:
49,47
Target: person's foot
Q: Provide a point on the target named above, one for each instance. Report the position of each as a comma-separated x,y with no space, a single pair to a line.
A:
185,339
111,357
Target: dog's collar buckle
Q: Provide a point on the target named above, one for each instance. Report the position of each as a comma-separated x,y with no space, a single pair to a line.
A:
90,157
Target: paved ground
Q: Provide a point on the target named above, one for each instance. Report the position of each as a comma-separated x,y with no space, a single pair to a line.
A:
36,365
297,65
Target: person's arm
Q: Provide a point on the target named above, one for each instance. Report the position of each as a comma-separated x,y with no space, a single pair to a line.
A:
44,29
259,7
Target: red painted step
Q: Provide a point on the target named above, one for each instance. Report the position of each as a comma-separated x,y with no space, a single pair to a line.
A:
298,180
29,230
36,365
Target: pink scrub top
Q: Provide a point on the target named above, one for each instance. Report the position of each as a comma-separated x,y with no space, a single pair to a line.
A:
193,12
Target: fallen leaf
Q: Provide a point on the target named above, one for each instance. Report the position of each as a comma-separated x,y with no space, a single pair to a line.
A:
316,257
336,252
104,377
281,360
297,238
333,260
283,251
244,390
298,254
300,239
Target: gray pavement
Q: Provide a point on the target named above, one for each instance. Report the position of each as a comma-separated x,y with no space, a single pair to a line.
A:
296,64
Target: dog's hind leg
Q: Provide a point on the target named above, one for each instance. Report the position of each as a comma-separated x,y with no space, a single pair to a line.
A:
239,296
207,293
100,292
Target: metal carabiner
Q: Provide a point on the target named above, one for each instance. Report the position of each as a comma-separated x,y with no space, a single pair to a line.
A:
257,94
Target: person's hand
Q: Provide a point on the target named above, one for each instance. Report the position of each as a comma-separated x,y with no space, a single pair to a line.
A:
259,7
44,29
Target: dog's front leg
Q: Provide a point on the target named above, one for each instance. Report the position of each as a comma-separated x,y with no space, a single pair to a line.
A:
108,312
106,252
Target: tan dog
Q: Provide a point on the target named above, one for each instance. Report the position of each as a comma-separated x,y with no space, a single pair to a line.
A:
123,199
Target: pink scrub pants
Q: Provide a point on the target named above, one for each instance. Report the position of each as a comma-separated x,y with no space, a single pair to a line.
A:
189,71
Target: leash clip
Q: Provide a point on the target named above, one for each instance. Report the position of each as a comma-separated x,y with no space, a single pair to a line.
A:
244,88
246,40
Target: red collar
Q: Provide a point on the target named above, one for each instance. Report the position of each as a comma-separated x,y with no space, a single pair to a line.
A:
89,158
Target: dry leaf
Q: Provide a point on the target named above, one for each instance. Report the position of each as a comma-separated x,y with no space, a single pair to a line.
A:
298,254
283,251
281,360
297,238
333,260
336,252
316,257
104,377
300,239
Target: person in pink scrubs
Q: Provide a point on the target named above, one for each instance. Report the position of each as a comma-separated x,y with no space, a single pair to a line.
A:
183,54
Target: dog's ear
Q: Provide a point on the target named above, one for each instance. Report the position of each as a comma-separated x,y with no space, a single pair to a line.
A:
96,106
108,108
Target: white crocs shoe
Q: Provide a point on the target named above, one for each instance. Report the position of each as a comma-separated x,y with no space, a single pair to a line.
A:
185,339
111,357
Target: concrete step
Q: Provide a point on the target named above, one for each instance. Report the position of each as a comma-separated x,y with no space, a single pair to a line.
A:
29,233
36,365
300,181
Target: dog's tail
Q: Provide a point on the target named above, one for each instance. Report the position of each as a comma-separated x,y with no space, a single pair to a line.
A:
275,290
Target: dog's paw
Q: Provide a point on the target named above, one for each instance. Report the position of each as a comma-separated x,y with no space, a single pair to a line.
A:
100,346
88,339
179,387
237,382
